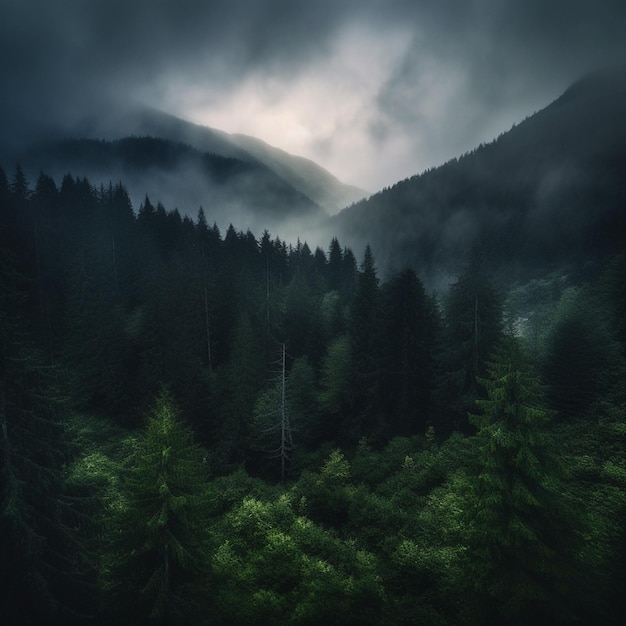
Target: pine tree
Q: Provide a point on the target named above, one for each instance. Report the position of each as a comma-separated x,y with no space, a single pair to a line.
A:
582,360
158,537
19,185
521,537
407,344
472,329
244,377
43,580
334,267
336,392
363,331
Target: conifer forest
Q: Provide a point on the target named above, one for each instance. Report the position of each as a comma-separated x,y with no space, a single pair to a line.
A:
222,428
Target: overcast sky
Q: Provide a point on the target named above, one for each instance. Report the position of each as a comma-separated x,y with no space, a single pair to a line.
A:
374,91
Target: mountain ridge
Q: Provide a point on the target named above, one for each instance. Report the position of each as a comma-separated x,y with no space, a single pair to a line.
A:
320,185
231,190
547,191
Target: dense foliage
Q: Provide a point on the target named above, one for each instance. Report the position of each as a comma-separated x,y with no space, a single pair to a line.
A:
200,428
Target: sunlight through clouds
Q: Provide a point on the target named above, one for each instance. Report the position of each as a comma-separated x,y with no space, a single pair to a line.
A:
318,112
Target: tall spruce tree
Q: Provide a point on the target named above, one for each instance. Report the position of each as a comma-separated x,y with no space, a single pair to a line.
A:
364,347
158,535
407,345
521,539
582,360
472,328
43,578
241,383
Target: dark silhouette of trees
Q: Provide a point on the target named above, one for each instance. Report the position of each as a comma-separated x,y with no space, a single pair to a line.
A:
472,327
407,342
102,306
364,349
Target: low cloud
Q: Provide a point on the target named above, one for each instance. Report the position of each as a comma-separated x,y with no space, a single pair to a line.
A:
374,91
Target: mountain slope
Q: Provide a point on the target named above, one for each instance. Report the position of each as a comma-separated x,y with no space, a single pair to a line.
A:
302,174
243,192
550,191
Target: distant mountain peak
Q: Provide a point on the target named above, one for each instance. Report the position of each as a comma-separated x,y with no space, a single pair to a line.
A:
306,176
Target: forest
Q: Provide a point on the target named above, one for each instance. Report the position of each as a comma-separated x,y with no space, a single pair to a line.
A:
207,428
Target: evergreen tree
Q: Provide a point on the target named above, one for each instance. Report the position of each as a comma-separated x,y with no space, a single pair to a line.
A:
276,567
242,380
19,185
521,539
472,329
334,267
336,393
96,349
363,330
583,360
43,577
300,317
158,536
407,345
348,275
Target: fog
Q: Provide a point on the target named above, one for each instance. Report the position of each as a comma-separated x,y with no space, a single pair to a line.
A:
373,91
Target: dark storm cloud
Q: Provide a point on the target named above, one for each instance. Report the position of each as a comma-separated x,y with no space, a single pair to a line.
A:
506,50
62,56
468,67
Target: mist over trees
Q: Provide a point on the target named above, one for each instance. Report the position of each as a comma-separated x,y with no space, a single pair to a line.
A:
548,193
200,426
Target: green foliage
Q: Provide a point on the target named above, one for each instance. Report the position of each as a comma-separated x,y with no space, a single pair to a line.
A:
362,333
408,337
45,578
472,328
158,537
327,493
614,292
583,360
530,309
427,563
277,567
424,528
303,398
519,523
335,393
242,382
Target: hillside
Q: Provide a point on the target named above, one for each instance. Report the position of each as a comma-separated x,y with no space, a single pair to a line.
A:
230,189
302,174
549,192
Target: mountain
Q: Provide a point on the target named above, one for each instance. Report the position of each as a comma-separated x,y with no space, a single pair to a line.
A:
302,174
236,178
231,190
550,192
